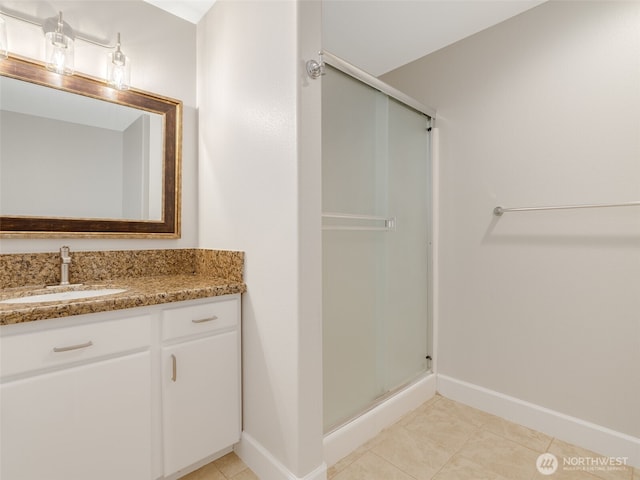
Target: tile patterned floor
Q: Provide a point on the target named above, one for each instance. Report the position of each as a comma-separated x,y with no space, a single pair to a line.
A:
229,467
446,440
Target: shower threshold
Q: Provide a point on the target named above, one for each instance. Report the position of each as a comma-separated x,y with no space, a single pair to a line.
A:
379,401
387,410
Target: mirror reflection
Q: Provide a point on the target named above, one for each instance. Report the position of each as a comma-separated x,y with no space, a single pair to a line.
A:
67,155
79,158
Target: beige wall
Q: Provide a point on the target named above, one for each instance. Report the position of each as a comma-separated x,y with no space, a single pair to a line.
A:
259,177
541,110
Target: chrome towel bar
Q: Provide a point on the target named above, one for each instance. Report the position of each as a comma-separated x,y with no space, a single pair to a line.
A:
498,211
388,223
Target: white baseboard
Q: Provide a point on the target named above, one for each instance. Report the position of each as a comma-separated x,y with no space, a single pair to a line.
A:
573,430
266,466
346,439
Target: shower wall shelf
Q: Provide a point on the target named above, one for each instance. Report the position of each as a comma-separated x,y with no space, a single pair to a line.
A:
385,224
498,211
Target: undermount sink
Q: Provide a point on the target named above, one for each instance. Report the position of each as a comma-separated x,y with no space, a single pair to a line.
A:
62,296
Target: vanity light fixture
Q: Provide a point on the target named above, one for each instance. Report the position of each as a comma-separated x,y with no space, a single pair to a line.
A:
119,68
3,39
59,48
59,42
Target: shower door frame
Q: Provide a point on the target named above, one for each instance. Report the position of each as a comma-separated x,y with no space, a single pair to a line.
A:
364,77
373,82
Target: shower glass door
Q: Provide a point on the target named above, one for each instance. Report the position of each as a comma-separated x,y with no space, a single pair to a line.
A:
376,207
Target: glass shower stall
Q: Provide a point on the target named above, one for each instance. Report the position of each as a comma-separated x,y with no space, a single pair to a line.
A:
376,245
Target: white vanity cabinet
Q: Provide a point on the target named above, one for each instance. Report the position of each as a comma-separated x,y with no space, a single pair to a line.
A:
142,393
75,402
200,381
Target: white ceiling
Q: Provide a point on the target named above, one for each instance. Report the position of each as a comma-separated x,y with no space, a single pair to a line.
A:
190,10
380,35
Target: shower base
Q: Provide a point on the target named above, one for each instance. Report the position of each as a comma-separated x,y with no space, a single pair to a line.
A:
343,440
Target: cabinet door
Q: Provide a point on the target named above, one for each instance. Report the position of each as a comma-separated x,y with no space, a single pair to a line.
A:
88,422
201,399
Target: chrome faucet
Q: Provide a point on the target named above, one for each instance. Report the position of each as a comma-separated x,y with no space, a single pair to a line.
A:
65,261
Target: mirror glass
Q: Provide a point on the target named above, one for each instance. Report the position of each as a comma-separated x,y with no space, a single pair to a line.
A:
89,158
79,158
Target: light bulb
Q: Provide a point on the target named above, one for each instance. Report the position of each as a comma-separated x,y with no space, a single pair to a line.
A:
119,69
58,45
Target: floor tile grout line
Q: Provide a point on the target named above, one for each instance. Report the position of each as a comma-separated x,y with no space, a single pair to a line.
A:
456,451
391,463
480,425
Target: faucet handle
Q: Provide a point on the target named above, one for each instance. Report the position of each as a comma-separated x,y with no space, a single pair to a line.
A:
65,261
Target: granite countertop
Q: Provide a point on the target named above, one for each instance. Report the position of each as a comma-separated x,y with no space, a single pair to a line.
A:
140,292
149,277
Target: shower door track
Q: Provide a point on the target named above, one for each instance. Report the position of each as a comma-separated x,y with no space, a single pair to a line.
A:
379,401
364,77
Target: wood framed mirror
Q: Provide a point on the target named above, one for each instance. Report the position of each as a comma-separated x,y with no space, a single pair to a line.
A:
81,159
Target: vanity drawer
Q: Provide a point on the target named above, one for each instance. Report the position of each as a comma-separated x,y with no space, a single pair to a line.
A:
25,352
197,319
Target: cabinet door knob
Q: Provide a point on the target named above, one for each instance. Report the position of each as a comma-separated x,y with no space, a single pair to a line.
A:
174,366
202,320
73,347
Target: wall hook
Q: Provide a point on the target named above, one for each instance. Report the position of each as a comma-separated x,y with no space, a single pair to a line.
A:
314,68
